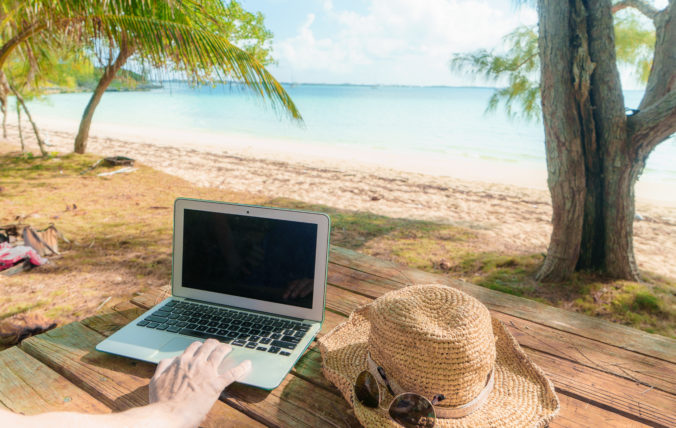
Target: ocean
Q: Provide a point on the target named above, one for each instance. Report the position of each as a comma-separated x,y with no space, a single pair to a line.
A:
434,122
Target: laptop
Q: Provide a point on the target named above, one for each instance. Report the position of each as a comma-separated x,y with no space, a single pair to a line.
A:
250,276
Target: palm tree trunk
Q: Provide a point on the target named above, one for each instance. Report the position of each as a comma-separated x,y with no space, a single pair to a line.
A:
18,119
4,92
20,100
108,76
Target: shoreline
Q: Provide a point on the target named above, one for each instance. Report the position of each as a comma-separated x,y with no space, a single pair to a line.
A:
505,217
523,174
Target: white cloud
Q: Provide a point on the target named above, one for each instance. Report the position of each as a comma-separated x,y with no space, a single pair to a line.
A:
396,41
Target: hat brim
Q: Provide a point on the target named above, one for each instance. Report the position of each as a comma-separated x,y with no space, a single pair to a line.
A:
522,395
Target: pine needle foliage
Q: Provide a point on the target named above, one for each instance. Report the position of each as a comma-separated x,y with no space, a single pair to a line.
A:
519,65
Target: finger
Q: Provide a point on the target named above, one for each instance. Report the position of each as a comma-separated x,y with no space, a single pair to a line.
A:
206,349
190,350
298,289
291,289
307,290
163,365
218,354
236,373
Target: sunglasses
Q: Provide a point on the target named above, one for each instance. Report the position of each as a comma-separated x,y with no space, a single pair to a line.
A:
408,409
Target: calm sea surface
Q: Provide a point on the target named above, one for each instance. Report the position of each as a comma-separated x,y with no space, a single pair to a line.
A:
434,121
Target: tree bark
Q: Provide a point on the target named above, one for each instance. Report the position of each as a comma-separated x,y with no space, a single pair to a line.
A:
11,44
4,93
594,151
563,137
18,121
19,100
108,76
662,78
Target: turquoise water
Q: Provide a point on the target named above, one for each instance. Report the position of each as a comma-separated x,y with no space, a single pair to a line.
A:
436,121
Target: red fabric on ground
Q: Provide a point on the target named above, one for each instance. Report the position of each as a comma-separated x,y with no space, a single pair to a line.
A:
9,256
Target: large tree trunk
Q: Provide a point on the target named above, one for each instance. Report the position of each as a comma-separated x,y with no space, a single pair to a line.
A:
563,139
595,154
108,76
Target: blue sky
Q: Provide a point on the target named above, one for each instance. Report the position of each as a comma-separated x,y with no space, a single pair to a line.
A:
390,42
382,41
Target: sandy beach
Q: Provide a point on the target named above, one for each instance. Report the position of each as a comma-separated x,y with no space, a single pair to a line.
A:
509,215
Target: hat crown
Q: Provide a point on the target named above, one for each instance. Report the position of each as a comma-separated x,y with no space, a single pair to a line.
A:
433,339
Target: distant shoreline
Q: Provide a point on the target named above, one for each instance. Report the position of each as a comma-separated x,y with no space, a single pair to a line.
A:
523,174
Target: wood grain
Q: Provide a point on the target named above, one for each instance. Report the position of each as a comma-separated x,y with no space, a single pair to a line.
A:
120,383
646,370
593,328
27,386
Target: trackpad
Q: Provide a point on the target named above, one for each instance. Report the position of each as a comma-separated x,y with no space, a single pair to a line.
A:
173,348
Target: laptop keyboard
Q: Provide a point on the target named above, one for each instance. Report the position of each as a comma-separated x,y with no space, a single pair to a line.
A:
260,332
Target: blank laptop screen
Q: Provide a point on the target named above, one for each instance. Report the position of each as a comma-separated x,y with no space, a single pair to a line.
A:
258,258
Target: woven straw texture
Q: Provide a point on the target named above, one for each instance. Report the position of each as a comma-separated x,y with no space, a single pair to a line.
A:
433,339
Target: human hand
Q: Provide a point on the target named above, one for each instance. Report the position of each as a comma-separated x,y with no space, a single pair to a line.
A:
298,288
190,383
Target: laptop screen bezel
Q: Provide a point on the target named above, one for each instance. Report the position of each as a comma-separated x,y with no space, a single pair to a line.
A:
316,313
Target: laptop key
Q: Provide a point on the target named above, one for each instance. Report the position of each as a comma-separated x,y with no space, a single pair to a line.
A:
212,330
265,340
239,342
251,345
261,348
290,339
275,335
201,334
174,329
286,354
254,338
273,349
222,332
285,345
153,318
299,334
201,328
162,327
152,325
242,336
143,323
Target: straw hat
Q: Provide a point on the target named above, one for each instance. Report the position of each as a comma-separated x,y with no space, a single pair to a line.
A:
433,339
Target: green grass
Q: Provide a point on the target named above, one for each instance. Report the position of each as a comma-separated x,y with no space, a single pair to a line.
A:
121,245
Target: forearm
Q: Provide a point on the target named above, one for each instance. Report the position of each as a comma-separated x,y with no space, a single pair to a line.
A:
160,415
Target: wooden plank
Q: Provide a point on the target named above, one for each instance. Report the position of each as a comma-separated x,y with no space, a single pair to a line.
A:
119,383
29,387
572,322
578,414
650,371
619,393
256,403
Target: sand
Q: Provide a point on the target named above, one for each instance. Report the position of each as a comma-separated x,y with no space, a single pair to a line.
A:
510,214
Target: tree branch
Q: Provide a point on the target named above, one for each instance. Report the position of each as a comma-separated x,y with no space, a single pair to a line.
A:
655,124
12,43
662,79
642,6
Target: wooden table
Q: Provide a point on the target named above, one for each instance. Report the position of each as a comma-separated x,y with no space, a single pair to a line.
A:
605,374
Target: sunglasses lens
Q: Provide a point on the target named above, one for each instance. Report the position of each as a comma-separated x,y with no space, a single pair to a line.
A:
366,390
412,411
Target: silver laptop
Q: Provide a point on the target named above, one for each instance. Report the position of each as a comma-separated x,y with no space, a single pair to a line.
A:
254,277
